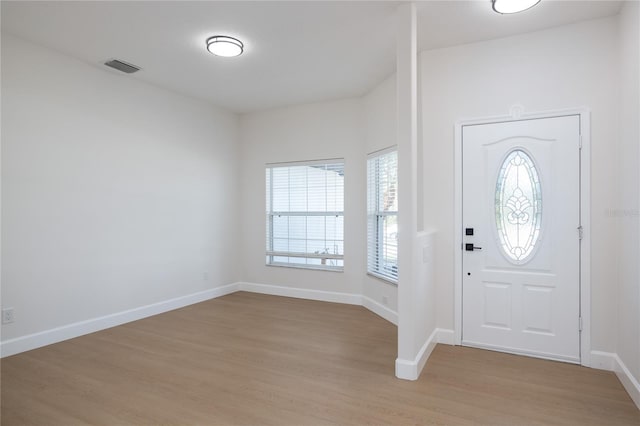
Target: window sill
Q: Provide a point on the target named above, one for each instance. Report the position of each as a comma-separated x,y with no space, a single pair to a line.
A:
311,268
383,279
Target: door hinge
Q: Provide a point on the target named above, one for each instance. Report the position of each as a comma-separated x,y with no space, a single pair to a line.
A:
580,141
580,232
579,323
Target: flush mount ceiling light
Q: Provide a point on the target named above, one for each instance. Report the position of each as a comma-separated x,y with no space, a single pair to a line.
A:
224,46
512,6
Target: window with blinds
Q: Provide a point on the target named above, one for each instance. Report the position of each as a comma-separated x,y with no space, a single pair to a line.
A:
305,214
382,214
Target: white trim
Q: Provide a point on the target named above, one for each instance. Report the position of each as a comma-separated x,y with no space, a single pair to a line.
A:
457,235
603,360
446,336
323,296
585,212
533,354
380,310
629,382
382,278
382,151
612,362
80,328
301,293
304,163
411,369
585,246
305,267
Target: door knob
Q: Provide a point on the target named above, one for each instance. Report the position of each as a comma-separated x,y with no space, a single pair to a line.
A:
471,247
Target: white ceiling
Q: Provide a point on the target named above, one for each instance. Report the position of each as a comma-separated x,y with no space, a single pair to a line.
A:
295,52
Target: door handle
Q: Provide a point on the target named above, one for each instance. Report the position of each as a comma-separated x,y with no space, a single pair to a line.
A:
471,247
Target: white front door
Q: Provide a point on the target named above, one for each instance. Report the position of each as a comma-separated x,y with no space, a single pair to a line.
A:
521,237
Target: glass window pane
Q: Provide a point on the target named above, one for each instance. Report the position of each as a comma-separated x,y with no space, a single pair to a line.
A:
281,244
518,206
280,191
382,222
298,200
280,227
297,246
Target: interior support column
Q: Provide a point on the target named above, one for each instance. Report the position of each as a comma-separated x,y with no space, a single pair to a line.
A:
407,140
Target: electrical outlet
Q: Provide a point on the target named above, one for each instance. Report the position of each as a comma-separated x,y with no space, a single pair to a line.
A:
385,300
7,316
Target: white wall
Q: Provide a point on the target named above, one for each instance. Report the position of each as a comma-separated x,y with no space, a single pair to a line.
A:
305,132
380,132
626,214
564,67
115,193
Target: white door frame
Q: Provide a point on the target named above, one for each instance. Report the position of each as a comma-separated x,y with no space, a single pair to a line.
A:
585,216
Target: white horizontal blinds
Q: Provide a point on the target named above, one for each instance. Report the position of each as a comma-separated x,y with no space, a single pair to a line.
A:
305,214
382,215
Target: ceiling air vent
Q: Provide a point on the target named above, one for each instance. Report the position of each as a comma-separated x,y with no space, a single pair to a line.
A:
122,66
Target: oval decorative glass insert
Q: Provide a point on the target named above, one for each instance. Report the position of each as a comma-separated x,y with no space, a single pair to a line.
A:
518,206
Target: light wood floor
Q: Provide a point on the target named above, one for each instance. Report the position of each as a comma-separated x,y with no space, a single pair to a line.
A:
259,360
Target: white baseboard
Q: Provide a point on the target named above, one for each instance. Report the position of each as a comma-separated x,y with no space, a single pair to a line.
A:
301,293
611,362
411,369
70,331
446,336
629,382
324,296
380,310
405,369
58,334
603,360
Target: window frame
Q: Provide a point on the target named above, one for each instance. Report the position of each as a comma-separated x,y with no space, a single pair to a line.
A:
375,219
270,214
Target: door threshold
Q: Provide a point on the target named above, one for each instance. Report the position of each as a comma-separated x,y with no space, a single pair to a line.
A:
521,352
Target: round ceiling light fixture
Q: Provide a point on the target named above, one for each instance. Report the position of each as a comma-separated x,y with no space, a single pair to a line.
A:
506,7
224,46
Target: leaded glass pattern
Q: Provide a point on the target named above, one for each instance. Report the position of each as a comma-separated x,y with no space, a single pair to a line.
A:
518,206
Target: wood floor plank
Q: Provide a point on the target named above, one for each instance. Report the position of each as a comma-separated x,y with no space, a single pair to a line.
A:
250,359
